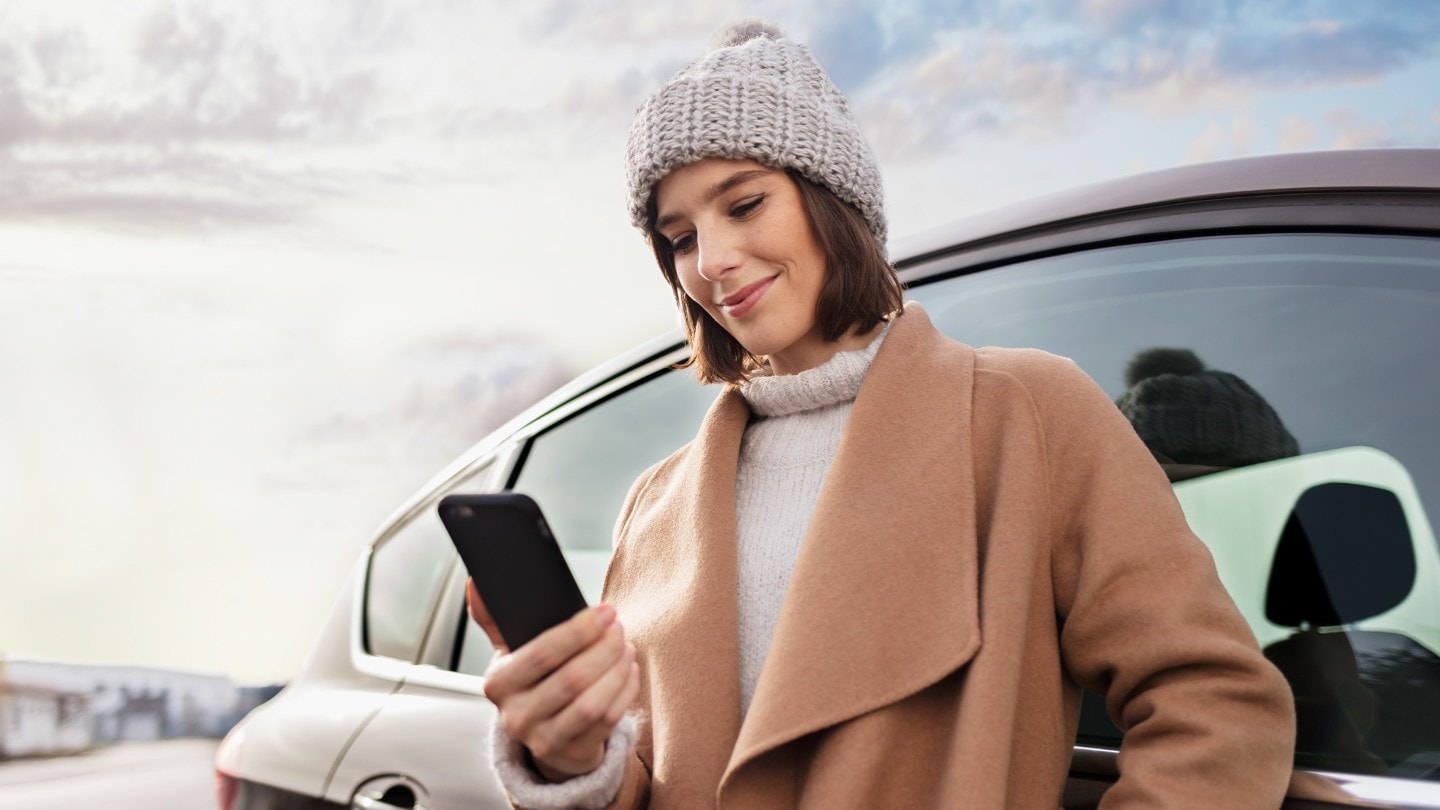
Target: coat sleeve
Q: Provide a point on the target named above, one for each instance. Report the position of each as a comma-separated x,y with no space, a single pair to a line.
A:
1146,622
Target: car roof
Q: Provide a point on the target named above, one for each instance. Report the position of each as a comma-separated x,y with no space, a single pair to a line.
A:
1348,170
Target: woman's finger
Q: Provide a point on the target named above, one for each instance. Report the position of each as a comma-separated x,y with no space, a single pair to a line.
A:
579,731
621,703
481,615
528,666
589,706
563,687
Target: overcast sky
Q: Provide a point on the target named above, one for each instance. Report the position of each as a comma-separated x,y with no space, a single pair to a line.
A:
266,265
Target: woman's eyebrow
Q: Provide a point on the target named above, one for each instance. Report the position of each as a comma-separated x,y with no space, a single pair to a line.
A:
715,191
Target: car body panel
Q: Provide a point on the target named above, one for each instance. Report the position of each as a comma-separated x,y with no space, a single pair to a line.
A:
317,715
431,718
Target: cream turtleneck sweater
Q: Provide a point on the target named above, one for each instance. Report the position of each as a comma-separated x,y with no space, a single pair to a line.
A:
784,456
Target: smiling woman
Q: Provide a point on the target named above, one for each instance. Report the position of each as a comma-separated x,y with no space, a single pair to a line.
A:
1039,547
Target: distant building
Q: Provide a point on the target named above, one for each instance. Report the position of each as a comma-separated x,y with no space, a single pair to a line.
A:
49,707
36,720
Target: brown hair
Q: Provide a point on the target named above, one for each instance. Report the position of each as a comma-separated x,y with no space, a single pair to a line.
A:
860,287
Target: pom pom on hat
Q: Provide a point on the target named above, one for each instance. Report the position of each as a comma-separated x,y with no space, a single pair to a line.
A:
741,32
1191,414
1156,361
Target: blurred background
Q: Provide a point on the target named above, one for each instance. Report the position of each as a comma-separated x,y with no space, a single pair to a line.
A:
265,266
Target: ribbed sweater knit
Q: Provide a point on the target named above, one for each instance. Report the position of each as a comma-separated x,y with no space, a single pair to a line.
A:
784,456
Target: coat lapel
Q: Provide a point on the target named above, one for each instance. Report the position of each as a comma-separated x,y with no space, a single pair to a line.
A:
883,601
678,599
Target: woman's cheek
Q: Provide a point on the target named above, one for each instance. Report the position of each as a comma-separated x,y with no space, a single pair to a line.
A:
693,286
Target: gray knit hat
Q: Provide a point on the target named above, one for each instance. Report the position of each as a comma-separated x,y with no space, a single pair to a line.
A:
1194,415
755,95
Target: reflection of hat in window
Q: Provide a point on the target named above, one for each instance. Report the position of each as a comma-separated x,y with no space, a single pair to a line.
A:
1193,415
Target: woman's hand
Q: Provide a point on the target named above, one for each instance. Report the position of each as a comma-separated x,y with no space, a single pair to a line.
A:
561,694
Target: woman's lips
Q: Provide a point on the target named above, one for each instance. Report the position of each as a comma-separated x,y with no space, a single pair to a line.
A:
747,297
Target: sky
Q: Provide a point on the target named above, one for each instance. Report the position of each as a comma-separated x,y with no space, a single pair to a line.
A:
266,266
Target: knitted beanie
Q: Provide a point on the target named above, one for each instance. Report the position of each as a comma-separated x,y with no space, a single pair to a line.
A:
754,95
1195,415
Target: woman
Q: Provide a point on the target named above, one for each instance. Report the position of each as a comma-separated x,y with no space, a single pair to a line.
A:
883,569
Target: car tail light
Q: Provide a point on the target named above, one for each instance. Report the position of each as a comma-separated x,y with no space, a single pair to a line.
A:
226,786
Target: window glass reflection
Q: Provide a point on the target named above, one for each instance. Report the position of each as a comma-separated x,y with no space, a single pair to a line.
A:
1260,370
580,470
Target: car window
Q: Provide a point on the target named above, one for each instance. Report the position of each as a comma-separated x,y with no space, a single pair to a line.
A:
580,470
475,649
404,577
1288,363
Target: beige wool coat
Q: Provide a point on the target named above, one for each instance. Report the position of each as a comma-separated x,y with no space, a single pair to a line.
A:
991,537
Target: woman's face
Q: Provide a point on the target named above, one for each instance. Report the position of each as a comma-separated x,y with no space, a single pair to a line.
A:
745,251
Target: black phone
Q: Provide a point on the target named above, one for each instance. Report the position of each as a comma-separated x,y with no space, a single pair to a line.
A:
509,551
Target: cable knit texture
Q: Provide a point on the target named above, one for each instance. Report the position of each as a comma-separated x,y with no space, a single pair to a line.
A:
755,95
783,460
590,791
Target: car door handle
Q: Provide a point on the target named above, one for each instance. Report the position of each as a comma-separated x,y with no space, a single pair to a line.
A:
390,793
367,803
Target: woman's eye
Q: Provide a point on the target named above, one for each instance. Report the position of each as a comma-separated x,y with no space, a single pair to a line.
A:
747,207
682,244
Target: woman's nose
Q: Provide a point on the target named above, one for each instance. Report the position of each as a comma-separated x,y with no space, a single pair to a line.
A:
719,253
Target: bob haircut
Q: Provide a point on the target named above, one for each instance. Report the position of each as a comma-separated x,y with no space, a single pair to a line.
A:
859,291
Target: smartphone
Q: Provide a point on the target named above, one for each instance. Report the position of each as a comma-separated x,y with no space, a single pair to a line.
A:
509,551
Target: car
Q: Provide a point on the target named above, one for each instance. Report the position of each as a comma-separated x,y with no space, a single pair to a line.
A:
1312,278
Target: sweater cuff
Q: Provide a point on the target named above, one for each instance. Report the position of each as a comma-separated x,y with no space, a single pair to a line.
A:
589,791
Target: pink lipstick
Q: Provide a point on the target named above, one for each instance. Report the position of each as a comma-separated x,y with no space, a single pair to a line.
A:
746,298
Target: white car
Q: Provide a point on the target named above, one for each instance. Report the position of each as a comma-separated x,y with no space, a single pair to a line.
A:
1313,277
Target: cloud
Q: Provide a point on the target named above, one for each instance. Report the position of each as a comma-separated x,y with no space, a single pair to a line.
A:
1353,131
1310,52
1296,133
1217,141
184,112
850,42
260,112
1037,70
978,87
187,73
415,413
165,113
626,23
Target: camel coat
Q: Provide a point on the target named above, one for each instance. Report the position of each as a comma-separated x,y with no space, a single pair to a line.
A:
991,537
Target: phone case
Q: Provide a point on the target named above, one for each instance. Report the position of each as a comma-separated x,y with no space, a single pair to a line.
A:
509,551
